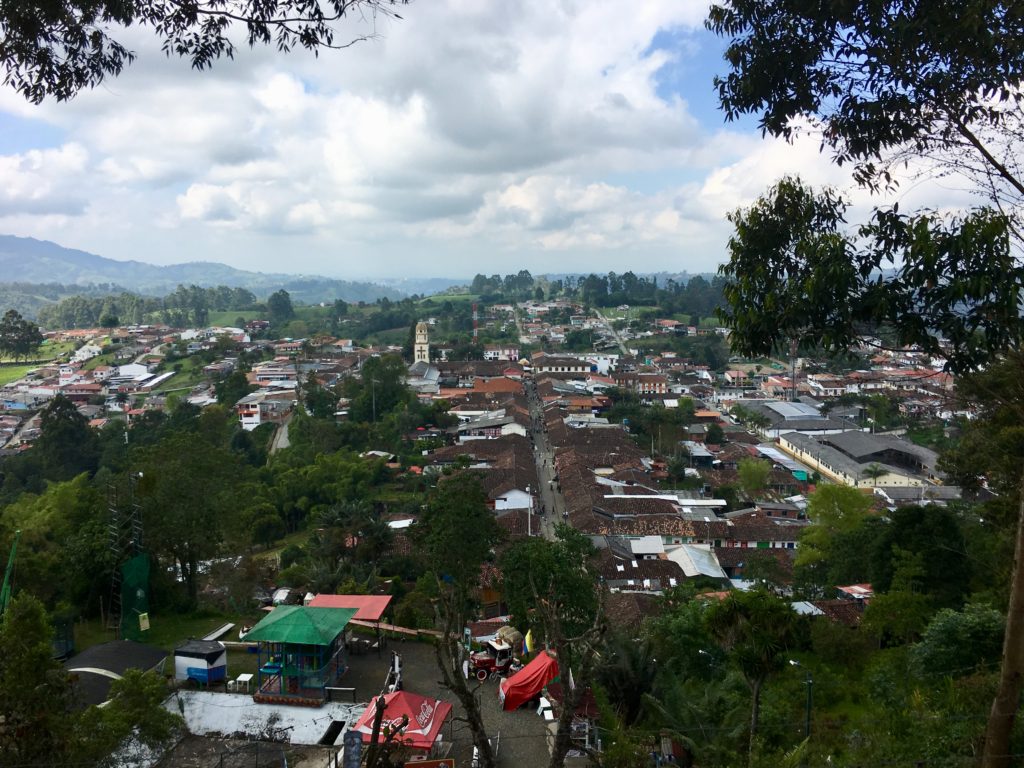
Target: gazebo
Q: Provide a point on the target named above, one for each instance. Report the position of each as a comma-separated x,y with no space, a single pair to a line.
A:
300,653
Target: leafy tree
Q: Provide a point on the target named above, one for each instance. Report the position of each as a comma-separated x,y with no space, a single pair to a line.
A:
320,402
933,533
34,689
837,513
551,587
189,492
881,81
947,283
280,307
958,642
755,629
134,711
66,444
232,388
715,435
753,475
65,542
56,50
267,528
901,612
457,532
379,390
19,338
798,276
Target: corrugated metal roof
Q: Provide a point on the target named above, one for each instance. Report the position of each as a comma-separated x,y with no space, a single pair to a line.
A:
794,410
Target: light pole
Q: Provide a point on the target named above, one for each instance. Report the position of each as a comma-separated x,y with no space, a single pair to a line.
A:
373,398
809,682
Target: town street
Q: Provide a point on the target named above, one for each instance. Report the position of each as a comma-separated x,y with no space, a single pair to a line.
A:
615,334
549,495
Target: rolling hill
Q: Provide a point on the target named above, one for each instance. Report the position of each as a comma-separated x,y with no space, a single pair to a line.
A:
27,260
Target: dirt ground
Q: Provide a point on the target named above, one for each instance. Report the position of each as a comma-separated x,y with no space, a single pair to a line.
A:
521,734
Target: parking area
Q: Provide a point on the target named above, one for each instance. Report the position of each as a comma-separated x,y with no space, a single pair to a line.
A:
522,733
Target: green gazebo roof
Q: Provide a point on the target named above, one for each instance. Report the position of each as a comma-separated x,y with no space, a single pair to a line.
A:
300,625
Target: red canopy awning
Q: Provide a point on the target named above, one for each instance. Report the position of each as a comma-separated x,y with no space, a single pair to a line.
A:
528,682
426,718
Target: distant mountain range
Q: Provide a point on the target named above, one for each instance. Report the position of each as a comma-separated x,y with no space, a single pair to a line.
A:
27,260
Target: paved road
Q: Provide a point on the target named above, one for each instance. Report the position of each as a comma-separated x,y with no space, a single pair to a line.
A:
281,436
543,453
615,334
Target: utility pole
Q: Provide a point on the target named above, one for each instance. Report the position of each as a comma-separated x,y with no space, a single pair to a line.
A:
809,682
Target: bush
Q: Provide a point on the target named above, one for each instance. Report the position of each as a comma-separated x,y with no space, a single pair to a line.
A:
293,576
291,555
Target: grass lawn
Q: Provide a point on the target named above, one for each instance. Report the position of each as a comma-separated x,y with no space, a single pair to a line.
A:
95,362
48,350
191,374
228,316
167,630
299,537
395,336
9,373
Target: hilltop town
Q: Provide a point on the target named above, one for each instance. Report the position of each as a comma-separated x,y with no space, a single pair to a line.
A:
684,473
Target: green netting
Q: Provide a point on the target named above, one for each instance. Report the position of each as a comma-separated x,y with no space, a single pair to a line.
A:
134,596
301,625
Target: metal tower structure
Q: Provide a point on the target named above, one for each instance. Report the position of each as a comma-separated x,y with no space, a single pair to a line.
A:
5,590
125,537
476,323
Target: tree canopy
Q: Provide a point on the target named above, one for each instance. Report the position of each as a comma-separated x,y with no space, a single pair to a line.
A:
56,49
797,273
19,337
877,77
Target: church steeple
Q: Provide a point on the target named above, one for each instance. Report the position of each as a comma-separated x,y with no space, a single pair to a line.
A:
421,350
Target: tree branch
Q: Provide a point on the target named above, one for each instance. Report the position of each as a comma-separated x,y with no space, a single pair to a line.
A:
1001,169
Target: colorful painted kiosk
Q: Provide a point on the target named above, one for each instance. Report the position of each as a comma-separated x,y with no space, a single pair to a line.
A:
301,653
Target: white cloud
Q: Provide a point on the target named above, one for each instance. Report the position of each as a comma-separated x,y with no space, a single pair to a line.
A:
44,182
527,131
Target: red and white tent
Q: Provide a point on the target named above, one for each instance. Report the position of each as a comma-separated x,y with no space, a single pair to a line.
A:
426,718
528,682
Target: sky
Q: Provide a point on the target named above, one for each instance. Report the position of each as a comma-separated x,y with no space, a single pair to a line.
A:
548,135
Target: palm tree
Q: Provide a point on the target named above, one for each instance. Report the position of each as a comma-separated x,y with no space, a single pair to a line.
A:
873,471
627,673
755,629
375,537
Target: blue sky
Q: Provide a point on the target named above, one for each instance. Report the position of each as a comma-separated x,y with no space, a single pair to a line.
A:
465,138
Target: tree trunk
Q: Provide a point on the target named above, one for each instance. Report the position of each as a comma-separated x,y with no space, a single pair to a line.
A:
563,734
755,714
448,661
996,751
